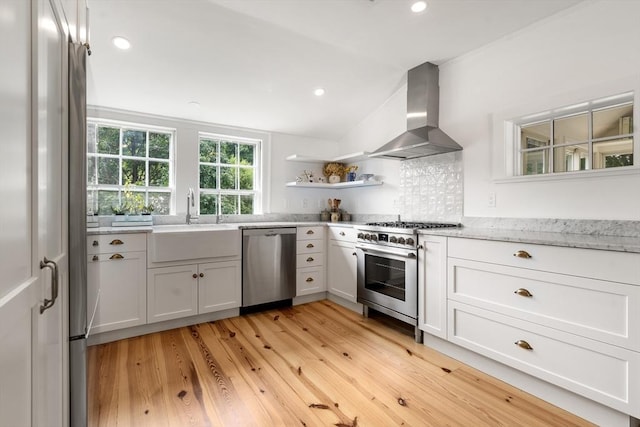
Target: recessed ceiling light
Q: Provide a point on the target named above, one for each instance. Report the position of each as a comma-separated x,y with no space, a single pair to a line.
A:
318,92
419,6
193,104
121,43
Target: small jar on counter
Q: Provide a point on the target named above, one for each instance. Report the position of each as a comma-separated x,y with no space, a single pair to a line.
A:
325,216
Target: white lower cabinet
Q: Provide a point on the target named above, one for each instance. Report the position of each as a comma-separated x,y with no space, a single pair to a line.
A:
568,316
187,290
432,285
310,265
116,282
343,264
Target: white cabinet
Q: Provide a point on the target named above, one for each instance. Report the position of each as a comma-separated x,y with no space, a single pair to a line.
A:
219,286
116,281
187,290
310,265
432,285
343,263
568,316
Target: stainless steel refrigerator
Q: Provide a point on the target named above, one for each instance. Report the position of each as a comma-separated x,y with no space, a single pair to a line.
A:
77,234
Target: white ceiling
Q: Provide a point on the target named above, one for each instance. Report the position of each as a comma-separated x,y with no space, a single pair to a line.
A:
255,63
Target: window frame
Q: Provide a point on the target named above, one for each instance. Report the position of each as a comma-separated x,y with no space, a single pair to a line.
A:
258,170
513,135
121,188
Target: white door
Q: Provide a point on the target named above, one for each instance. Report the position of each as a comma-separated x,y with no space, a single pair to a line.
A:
32,352
219,286
343,264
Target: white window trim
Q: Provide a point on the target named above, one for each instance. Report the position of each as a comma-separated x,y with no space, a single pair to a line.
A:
504,161
148,128
259,166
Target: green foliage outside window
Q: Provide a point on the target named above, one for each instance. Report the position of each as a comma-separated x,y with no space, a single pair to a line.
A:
227,177
119,156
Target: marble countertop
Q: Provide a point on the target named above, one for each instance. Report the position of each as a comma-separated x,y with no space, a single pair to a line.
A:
240,225
571,240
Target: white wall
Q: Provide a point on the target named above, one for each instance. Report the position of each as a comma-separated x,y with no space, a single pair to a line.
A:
577,53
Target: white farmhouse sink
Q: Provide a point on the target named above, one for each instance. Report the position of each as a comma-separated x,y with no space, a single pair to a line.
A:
169,243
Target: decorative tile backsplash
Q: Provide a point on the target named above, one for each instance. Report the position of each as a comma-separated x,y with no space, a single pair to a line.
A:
431,188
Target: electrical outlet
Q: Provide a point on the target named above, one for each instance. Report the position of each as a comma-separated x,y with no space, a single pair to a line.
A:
491,200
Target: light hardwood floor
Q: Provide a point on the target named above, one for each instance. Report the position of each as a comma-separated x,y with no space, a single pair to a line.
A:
316,364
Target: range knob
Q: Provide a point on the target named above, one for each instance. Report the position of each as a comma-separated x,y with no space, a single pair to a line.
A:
393,239
360,235
374,237
410,241
401,240
367,236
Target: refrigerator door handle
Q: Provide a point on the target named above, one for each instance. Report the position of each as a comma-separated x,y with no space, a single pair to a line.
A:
48,303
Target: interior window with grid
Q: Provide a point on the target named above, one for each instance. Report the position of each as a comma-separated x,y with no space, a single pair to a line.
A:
129,169
229,171
592,135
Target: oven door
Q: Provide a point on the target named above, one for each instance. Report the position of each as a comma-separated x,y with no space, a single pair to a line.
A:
388,280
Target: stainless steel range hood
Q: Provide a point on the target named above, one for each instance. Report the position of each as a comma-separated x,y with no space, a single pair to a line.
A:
423,137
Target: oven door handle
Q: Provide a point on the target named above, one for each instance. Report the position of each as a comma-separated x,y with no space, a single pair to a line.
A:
386,251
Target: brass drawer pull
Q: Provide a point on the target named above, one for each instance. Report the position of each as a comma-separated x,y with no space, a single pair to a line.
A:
309,279
522,254
116,242
523,292
310,259
342,233
310,245
523,344
95,243
116,256
309,231
95,258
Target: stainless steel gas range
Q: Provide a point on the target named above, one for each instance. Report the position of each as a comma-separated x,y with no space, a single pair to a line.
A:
388,268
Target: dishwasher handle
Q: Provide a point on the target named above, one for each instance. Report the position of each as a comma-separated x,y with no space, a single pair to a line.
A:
268,232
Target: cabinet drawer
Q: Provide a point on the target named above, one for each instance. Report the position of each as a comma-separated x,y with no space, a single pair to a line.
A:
110,243
598,371
311,233
613,266
592,308
342,233
309,260
309,246
309,281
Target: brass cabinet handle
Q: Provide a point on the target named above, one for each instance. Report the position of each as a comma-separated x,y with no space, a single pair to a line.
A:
309,279
310,259
95,243
95,258
309,231
195,276
523,292
116,256
523,344
116,242
310,245
201,274
522,254
342,233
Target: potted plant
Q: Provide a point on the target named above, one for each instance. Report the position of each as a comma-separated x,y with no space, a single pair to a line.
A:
147,209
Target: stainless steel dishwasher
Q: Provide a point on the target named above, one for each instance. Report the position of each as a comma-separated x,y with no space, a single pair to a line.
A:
268,267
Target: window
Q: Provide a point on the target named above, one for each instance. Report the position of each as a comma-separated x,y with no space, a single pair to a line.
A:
229,175
128,167
592,135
